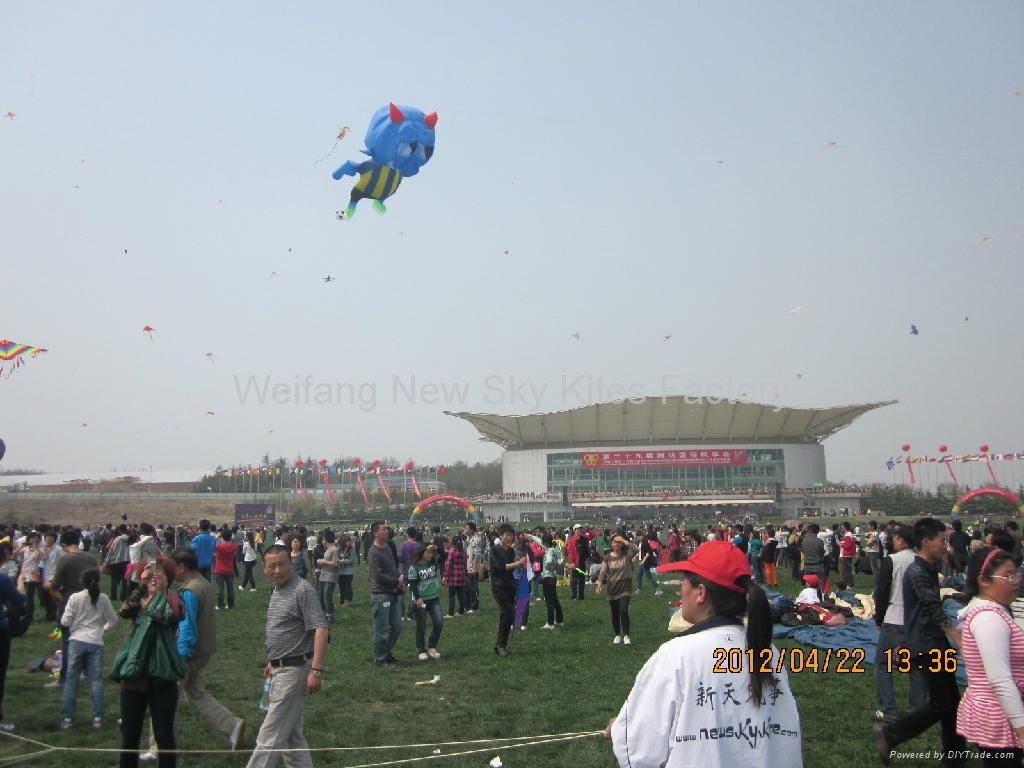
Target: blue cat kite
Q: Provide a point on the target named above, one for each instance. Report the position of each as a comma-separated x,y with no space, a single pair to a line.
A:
399,141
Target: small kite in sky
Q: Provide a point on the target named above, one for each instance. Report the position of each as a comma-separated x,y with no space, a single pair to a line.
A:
10,115
84,424
220,202
272,275
966,319
576,336
831,143
986,238
209,356
721,162
210,413
793,311
666,338
328,279
149,330
13,355
342,132
913,330
799,375
289,250
1017,92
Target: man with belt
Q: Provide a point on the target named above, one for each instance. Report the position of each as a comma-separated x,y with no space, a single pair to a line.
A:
297,648
889,616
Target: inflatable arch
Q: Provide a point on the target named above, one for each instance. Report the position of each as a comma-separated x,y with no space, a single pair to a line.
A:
417,511
1001,493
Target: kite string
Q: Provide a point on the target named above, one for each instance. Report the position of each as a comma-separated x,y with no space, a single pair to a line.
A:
526,741
328,154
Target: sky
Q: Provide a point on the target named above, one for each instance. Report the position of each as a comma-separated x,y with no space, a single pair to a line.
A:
620,172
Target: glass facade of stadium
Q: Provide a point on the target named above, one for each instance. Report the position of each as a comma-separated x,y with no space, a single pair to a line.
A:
764,468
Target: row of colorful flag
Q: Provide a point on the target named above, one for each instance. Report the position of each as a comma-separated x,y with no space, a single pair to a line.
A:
952,459
309,471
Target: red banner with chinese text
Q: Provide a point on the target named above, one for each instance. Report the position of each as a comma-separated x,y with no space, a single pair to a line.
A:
731,457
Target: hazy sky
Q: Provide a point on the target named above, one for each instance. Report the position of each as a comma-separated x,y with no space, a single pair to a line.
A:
619,171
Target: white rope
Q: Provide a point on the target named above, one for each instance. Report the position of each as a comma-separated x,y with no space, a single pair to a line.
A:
477,751
24,758
527,741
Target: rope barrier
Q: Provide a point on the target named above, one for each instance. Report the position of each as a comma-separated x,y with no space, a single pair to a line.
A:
13,760
502,742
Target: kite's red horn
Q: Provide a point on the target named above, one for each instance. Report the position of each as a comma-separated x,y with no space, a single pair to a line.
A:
396,113
431,120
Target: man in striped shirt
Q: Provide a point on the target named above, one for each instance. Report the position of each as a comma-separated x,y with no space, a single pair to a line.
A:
297,648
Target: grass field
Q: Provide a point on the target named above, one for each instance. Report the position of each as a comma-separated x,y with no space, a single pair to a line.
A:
567,680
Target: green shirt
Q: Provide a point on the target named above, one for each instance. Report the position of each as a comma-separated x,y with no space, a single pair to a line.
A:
425,580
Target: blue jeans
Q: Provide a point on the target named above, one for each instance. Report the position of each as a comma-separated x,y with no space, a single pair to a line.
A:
891,637
433,607
641,572
757,568
387,625
86,656
325,591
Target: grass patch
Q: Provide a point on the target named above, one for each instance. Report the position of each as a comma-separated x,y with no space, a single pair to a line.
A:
567,680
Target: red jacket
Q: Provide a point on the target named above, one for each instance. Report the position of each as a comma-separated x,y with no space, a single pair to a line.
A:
570,550
224,562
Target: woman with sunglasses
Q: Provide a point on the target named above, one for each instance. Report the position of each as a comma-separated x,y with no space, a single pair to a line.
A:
991,713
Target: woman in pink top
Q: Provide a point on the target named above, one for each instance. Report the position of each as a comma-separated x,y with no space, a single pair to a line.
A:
991,713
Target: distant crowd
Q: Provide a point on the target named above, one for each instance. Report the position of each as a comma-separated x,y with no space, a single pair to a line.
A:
669,493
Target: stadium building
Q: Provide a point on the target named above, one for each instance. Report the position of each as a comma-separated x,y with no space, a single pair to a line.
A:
690,451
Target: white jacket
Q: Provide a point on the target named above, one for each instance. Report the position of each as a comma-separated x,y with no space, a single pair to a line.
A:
681,713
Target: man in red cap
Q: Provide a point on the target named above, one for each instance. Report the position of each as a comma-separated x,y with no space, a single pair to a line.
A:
698,701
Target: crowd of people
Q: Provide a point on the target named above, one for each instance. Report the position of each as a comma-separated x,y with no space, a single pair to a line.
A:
667,493
169,581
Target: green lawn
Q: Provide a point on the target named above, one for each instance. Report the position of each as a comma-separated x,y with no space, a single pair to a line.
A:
568,680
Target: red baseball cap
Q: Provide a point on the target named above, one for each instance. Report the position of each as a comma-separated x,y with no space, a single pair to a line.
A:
720,562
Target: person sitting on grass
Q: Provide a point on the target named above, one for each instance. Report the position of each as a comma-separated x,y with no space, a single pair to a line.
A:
424,581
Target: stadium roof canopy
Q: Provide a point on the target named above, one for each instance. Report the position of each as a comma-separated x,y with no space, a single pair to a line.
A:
672,420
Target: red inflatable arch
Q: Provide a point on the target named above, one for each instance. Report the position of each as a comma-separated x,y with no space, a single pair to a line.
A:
1001,493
